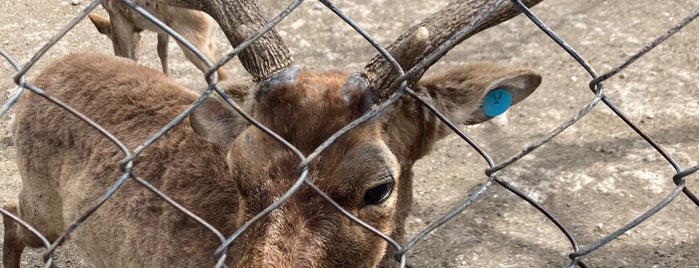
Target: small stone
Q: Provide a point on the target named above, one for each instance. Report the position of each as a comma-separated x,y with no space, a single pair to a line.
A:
599,227
650,158
75,2
580,25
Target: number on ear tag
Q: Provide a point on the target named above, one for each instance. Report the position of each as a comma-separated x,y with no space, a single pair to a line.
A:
496,102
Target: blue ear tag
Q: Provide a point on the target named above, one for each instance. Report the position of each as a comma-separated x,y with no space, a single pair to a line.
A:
496,102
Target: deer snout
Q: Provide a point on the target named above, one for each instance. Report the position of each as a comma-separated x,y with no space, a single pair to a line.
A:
290,238
286,239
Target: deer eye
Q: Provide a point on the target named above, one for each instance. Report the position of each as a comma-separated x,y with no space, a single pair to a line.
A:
378,194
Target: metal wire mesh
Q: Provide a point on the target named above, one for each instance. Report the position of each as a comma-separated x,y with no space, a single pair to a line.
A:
402,250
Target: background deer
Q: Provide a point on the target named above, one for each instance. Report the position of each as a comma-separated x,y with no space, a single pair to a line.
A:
124,27
226,171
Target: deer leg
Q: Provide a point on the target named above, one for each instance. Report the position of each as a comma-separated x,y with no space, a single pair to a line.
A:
203,45
17,238
163,39
211,46
125,38
14,242
13,246
39,205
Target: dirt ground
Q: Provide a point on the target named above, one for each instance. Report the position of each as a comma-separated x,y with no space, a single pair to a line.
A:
595,177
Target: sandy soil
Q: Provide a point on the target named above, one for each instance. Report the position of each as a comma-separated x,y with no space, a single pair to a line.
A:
595,177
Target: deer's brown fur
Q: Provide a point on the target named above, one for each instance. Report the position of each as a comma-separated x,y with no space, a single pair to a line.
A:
224,170
124,27
218,166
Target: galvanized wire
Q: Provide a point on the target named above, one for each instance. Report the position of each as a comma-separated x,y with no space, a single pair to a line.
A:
402,91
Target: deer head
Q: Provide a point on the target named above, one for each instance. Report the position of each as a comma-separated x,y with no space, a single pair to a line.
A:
367,170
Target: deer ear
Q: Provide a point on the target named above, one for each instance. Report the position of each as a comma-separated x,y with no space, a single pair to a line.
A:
471,94
478,92
513,87
216,121
103,25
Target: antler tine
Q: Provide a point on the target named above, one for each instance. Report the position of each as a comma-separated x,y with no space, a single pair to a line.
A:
437,30
239,20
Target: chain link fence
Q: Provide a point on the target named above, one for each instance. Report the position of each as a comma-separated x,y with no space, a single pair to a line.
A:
596,83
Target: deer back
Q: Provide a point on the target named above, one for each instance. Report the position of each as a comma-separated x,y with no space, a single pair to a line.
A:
132,102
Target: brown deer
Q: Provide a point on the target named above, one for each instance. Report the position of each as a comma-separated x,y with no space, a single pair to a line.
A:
124,27
225,170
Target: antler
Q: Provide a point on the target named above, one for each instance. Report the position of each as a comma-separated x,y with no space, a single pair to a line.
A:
424,38
239,20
